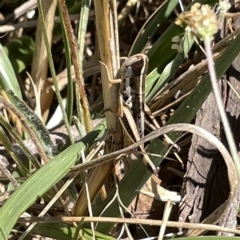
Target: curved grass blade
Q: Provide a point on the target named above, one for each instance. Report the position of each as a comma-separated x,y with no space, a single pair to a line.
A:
128,187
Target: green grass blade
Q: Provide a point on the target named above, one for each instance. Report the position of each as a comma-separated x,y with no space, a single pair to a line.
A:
159,17
70,95
52,70
20,52
64,231
82,29
163,60
8,78
161,53
156,80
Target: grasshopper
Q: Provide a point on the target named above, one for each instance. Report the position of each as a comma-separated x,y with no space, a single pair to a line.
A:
132,88
132,100
132,107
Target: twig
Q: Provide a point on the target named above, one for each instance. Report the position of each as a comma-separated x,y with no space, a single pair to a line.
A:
30,24
149,222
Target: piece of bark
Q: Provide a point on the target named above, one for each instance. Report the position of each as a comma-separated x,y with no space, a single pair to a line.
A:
206,181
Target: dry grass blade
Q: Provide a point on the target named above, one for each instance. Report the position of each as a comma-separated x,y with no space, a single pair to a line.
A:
126,11
78,74
206,227
40,61
106,33
135,133
167,211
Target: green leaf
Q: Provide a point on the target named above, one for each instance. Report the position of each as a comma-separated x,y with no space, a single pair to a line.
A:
159,17
156,80
8,78
20,52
